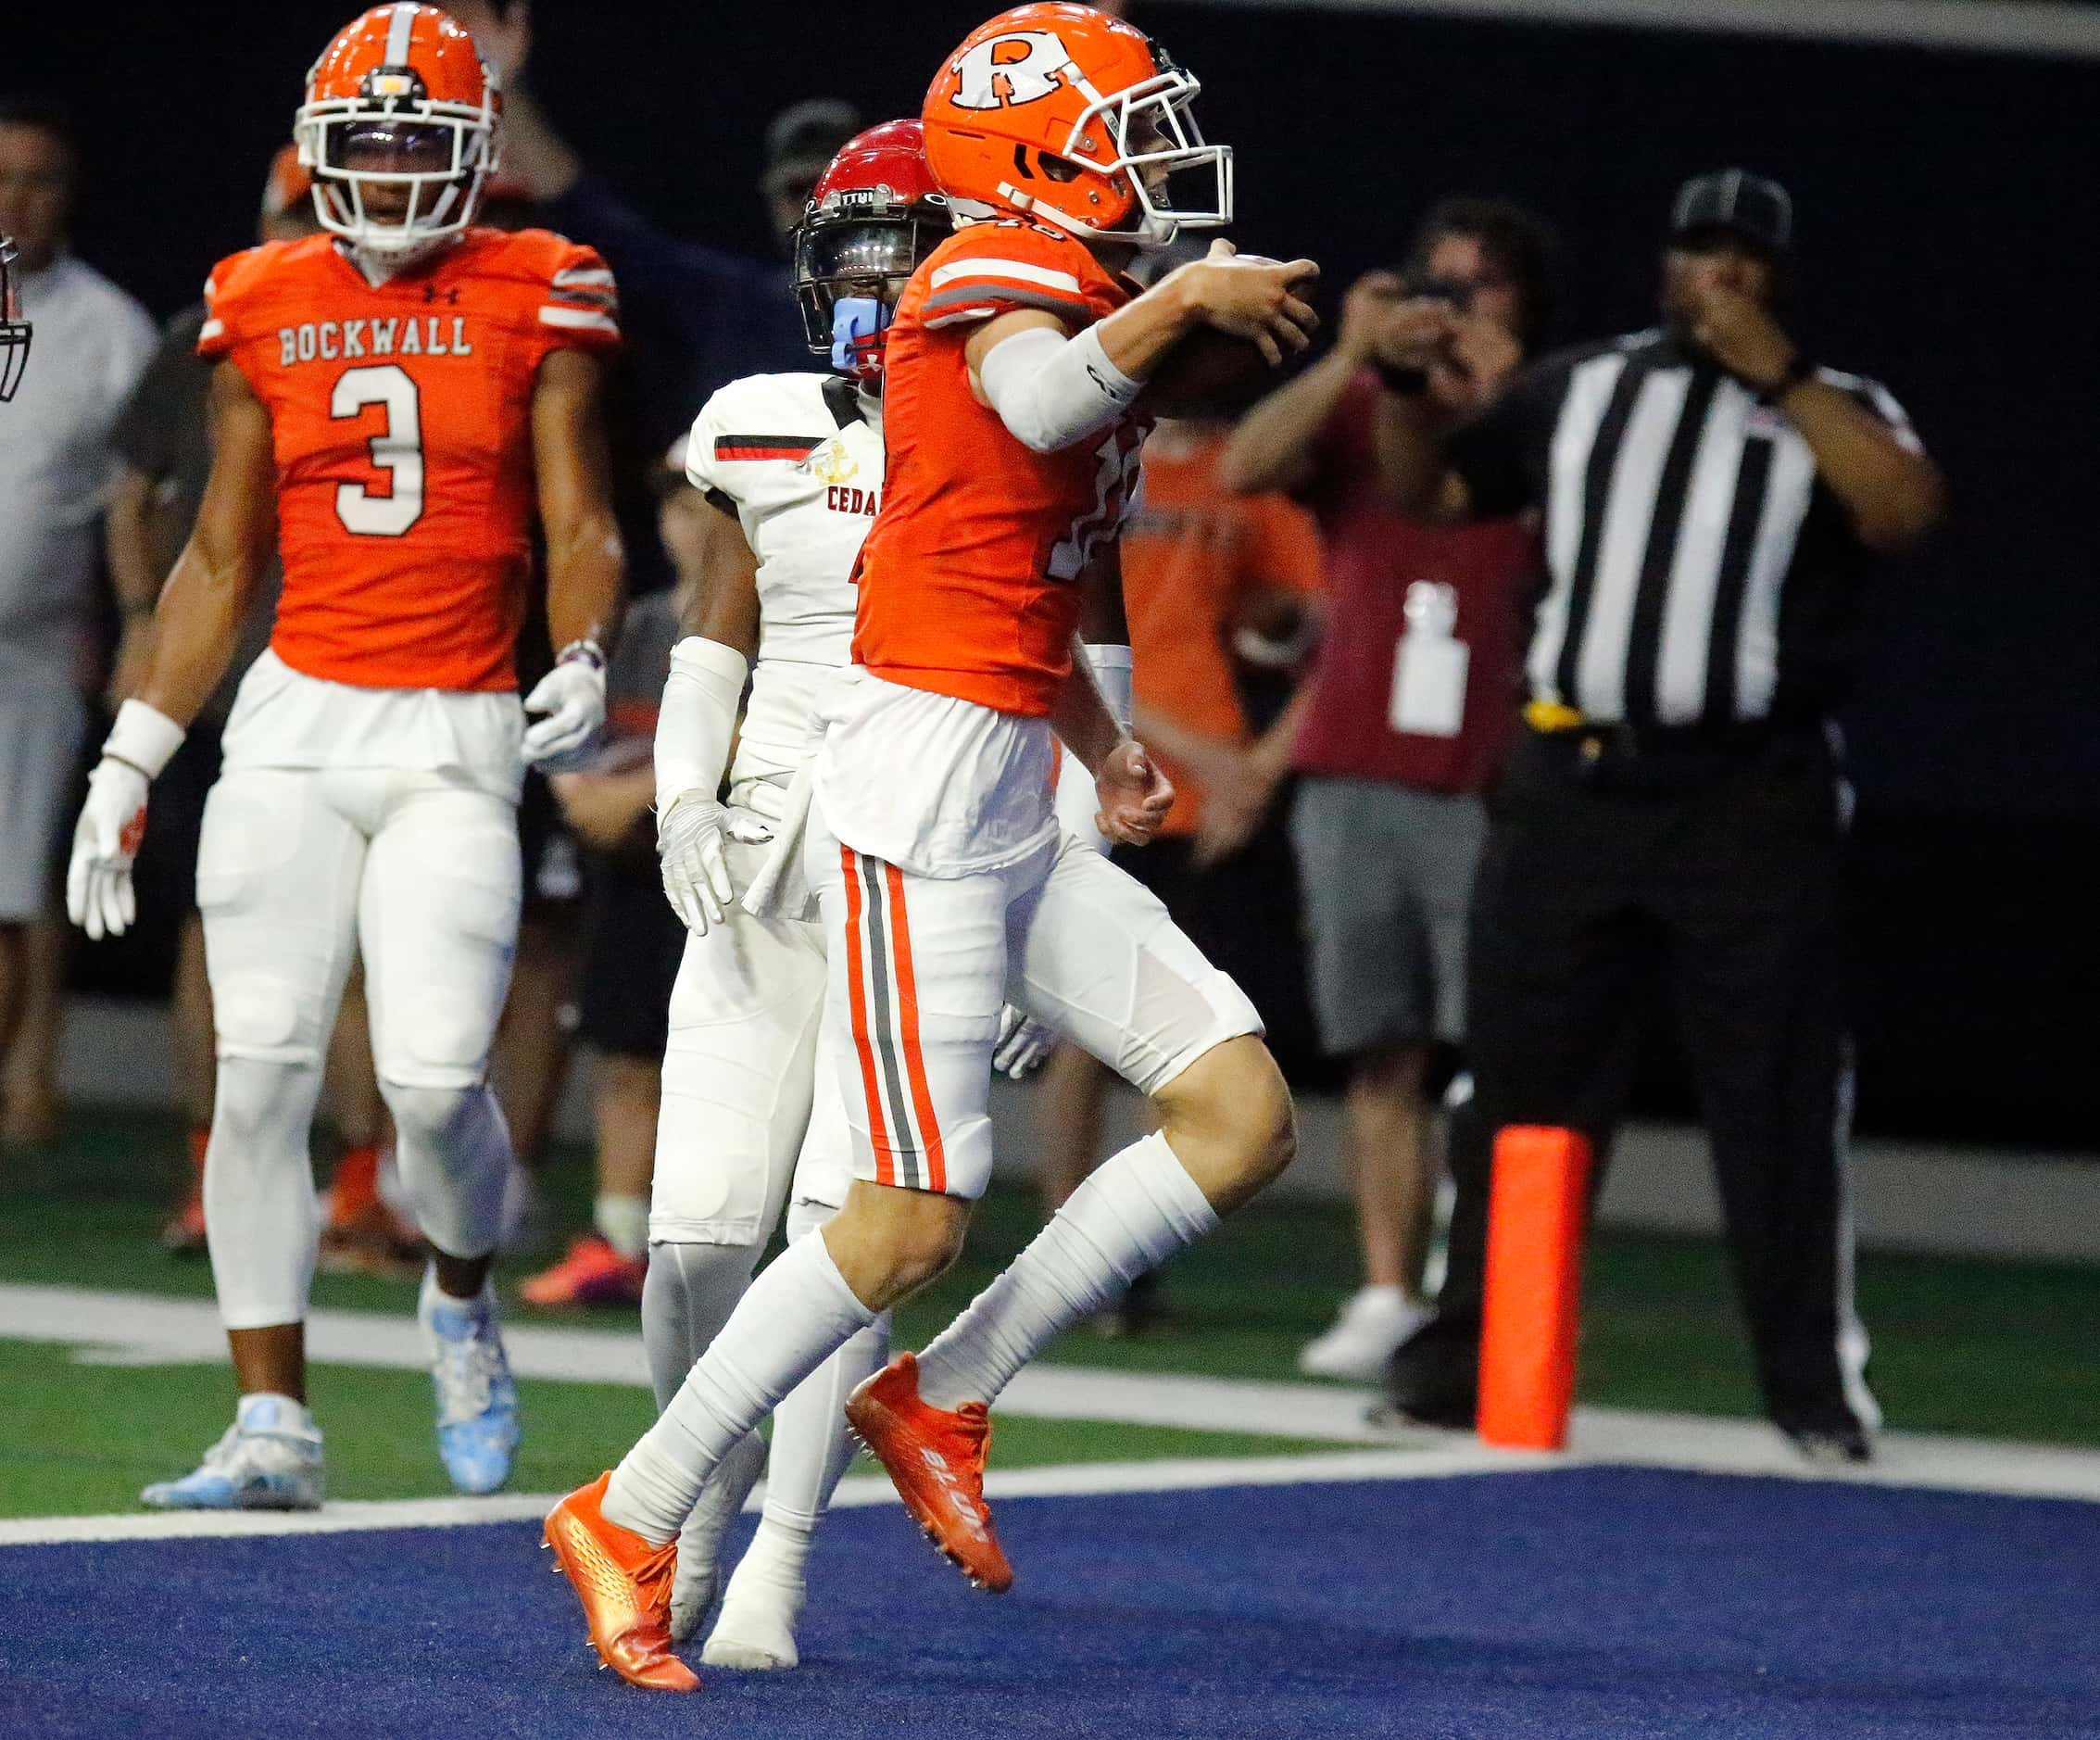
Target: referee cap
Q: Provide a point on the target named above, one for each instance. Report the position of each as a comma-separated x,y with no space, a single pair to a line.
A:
1753,207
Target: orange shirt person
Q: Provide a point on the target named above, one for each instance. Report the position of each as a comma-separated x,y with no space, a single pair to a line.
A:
1198,565
395,399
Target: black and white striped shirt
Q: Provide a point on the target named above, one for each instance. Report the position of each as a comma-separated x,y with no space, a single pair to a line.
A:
1698,571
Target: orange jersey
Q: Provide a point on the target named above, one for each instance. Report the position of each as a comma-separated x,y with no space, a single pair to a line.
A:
1193,556
967,580
400,416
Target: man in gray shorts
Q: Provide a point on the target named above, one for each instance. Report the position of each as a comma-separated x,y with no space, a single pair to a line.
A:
1410,702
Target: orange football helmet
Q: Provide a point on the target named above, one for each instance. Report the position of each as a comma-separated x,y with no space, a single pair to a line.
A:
399,129
1060,113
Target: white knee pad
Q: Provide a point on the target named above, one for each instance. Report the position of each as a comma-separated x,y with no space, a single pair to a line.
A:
454,1153
258,1200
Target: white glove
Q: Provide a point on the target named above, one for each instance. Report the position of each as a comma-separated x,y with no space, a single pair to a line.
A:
105,839
691,837
1023,1044
573,698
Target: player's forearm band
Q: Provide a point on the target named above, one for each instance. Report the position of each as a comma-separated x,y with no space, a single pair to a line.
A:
1053,392
1112,668
699,718
143,737
1077,802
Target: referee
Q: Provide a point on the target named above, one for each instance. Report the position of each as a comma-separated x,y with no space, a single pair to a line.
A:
1710,499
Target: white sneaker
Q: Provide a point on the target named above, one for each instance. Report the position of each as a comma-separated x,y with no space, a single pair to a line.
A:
1373,1322
699,1577
270,1459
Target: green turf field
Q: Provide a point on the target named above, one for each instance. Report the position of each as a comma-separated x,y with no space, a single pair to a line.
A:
1991,1349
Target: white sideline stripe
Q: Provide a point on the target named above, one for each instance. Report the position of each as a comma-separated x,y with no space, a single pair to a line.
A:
1026,272
2048,28
1061,1481
130,1329
1602,1438
145,1330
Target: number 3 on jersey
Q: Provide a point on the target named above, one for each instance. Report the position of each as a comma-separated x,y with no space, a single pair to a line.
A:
396,449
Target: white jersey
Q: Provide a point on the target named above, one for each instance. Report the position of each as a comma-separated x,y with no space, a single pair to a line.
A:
798,459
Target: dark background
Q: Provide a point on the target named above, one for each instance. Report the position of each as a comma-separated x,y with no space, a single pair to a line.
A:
1946,215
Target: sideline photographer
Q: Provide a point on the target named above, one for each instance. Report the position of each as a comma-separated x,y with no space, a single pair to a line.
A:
1406,714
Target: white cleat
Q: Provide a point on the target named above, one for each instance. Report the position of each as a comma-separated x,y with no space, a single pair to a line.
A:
270,1459
1370,1327
476,1398
756,1632
698,1580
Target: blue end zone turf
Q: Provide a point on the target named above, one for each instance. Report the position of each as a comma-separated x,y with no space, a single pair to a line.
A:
1604,1602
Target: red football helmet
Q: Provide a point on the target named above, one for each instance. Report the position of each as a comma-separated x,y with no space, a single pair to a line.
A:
873,216
1062,114
14,330
399,129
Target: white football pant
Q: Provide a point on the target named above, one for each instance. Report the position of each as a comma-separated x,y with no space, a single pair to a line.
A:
920,965
297,868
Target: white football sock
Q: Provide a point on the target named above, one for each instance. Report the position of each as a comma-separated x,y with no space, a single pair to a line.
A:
1137,1209
810,1451
795,1313
690,1291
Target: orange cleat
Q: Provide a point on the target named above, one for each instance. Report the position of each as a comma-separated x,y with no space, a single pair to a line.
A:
937,1461
593,1273
624,1584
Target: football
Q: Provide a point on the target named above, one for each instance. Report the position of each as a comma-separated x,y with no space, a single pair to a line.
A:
1208,374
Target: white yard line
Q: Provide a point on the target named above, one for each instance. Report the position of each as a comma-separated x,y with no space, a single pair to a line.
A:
142,1328
123,1328
1172,1474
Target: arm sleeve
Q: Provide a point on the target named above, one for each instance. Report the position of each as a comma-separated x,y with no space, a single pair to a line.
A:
697,719
1051,393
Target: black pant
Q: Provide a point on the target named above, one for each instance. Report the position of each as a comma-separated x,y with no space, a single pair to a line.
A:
1723,877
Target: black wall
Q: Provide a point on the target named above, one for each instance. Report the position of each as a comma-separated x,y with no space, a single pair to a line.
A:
1947,224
